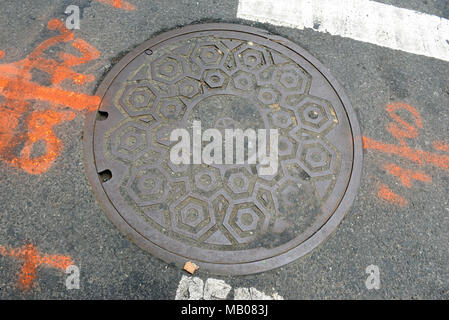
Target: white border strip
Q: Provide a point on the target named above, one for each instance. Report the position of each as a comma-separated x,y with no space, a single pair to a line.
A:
362,20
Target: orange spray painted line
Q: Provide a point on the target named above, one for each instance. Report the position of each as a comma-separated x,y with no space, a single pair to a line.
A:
417,156
441,146
385,193
120,4
407,176
32,259
39,128
401,129
52,104
77,101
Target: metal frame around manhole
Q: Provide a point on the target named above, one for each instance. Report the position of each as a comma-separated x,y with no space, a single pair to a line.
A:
225,268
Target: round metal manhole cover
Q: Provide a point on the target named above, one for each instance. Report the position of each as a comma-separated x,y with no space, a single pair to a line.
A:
226,217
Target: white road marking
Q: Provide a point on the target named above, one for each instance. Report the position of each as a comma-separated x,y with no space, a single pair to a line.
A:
193,288
216,289
363,20
190,288
254,294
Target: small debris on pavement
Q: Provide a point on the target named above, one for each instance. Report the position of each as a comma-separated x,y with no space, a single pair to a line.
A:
190,267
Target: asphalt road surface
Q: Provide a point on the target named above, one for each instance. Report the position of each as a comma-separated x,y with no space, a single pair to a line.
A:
49,218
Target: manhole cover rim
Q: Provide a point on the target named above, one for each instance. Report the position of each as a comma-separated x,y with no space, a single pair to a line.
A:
237,268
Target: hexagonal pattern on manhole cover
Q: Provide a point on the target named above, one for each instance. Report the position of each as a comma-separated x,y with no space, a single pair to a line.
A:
227,218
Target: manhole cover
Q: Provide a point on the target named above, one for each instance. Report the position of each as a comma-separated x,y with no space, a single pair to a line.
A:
227,218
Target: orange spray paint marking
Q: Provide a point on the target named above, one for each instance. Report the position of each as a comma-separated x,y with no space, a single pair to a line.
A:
120,4
400,129
386,194
417,156
406,176
441,146
32,260
23,124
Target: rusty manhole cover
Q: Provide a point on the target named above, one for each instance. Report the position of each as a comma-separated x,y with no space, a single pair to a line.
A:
226,218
